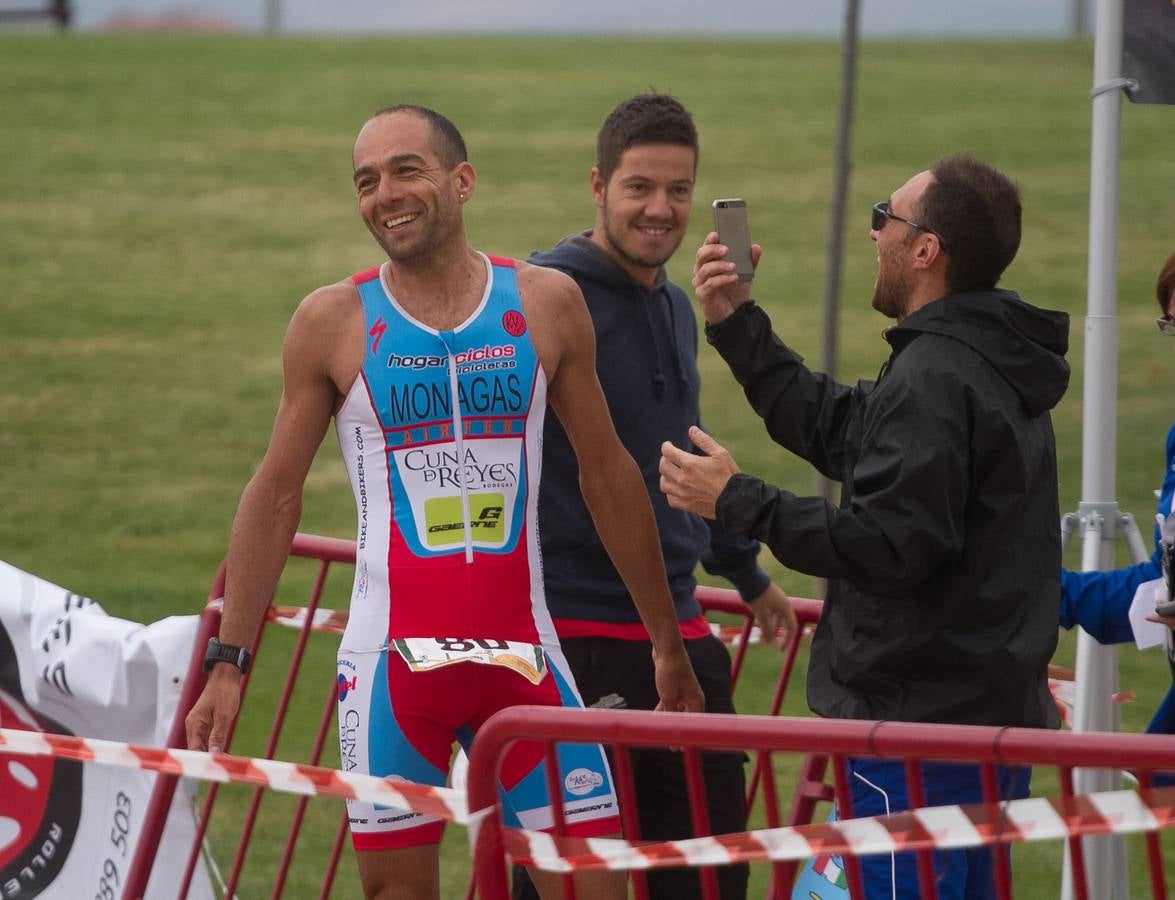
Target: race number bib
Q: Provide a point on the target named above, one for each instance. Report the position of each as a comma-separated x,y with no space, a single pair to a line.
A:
423,654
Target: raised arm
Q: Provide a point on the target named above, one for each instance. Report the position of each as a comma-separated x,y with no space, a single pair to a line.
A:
612,486
271,503
804,411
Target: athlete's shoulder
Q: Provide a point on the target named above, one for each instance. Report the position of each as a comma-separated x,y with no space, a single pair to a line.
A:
330,300
328,310
538,283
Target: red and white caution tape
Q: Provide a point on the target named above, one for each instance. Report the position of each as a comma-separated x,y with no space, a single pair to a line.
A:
1064,691
290,778
331,621
328,621
1034,819
334,621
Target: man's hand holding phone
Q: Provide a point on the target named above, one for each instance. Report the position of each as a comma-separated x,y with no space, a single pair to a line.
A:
1165,610
1167,566
725,263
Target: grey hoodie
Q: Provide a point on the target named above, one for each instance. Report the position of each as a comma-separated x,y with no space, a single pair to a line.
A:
646,349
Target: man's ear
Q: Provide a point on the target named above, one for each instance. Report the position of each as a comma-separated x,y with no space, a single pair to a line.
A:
928,251
464,180
599,186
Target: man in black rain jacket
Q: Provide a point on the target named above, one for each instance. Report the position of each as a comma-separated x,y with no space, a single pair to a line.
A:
943,557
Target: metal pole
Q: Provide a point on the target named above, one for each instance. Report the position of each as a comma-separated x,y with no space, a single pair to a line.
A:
1133,538
1096,665
273,16
1098,436
840,184
842,167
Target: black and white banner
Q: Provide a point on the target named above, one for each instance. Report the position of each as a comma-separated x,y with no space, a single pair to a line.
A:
67,829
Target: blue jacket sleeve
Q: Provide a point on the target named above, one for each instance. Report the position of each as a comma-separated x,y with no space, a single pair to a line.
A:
1099,601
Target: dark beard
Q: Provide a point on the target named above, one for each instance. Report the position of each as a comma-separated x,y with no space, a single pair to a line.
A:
890,296
628,257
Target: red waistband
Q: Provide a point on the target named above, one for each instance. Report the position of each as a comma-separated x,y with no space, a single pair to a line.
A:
691,629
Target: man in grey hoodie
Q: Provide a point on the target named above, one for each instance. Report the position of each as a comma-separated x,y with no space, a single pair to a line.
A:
646,348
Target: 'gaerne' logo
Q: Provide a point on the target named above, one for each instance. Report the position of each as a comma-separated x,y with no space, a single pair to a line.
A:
446,523
582,781
487,353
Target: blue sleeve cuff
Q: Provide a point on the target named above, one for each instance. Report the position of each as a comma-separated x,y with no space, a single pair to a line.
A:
751,584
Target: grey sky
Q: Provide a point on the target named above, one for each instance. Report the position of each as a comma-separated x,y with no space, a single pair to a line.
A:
775,17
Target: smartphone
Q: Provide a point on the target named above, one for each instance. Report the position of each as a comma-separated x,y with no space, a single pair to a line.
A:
1167,566
730,221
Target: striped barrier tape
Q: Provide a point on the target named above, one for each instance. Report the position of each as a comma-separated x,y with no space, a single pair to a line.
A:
334,621
290,778
330,621
1034,819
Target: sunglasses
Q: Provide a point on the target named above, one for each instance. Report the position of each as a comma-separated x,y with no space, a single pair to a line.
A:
882,212
1166,326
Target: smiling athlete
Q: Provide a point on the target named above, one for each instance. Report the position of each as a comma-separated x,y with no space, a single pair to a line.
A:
437,367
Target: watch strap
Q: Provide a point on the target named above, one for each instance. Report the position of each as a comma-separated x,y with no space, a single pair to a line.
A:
229,653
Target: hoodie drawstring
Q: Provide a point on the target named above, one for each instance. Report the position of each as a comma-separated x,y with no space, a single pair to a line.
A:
682,377
657,375
647,299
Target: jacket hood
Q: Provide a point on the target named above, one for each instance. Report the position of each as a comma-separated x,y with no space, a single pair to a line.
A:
578,257
1024,343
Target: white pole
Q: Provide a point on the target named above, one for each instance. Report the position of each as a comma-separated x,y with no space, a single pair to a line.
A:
1097,665
1098,437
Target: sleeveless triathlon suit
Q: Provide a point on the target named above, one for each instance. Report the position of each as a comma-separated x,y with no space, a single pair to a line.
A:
448,621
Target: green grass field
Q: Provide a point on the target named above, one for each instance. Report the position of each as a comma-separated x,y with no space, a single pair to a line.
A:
165,202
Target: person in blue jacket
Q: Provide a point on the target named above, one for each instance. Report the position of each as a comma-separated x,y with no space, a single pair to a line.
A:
1099,601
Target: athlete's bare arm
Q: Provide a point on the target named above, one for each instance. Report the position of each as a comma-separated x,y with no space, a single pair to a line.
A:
611,482
323,342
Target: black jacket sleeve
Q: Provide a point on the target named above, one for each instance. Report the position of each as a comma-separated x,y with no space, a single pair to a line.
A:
804,411
910,487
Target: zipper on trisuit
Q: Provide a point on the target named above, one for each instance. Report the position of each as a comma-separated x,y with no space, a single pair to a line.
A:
459,437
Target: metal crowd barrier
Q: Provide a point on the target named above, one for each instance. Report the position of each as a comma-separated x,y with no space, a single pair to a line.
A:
312,618
837,741
823,744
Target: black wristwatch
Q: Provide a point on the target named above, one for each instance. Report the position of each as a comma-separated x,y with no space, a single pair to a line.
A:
218,652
